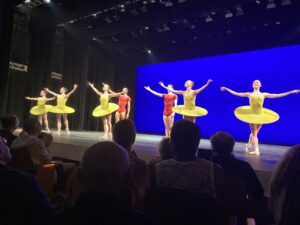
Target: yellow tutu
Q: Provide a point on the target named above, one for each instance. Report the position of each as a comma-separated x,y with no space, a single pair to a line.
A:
41,107
105,108
189,108
255,113
61,107
195,112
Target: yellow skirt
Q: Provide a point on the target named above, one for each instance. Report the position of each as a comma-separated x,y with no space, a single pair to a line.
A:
62,110
195,112
245,114
99,111
40,110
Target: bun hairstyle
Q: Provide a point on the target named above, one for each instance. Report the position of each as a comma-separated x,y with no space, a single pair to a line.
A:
171,85
66,89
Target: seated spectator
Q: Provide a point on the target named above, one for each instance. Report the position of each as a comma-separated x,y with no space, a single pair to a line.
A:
103,169
164,152
222,148
186,172
285,186
22,200
137,177
9,124
66,172
30,142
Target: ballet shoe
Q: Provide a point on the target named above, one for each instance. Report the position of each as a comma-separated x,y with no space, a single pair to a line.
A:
109,135
57,132
247,147
103,137
48,130
67,131
256,152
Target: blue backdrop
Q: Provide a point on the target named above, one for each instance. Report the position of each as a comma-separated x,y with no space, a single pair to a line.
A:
278,69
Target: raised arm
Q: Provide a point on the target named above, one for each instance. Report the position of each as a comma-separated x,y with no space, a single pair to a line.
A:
239,94
51,92
169,89
75,86
268,95
114,94
203,87
128,109
95,89
50,99
29,98
153,92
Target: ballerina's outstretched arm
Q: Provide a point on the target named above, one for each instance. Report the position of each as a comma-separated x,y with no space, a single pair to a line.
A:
114,94
95,89
51,92
170,89
268,95
153,92
75,86
239,94
33,99
50,99
197,91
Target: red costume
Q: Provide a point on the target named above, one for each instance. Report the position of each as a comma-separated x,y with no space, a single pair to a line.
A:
169,102
123,101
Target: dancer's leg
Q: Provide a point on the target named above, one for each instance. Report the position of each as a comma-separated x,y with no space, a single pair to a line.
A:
109,126
171,122
58,122
40,118
66,122
166,123
105,126
255,128
117,117
45,118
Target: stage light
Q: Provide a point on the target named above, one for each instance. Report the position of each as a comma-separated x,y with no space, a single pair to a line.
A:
152,1
146,28
94,39
149,51
228,14
286,2
271,4
27,1
95,15
277,22
47,1
257,1
239,10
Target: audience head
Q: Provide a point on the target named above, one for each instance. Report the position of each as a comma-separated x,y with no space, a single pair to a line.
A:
10,122
185,138
124,133
222,143
5,156
47,138
164,149
103,167
32,126
285,186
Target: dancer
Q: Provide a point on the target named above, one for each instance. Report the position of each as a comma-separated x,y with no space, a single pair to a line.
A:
170,100
189,110
123,101
255,114
105,109
41,109
61,109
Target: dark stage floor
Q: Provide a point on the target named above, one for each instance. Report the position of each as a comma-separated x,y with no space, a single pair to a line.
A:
72,147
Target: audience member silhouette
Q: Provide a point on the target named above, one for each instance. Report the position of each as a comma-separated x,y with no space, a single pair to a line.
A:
103,170
9,124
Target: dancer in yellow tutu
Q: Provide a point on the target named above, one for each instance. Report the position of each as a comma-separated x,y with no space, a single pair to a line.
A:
61,110
189,110
255,114
105,109
41,109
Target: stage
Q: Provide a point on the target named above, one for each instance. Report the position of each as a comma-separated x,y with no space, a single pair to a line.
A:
73,146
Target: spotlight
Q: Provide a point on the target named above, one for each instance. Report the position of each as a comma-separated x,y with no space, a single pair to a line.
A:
94,14
121,8
271,4
47,1
239,10
286,2
94,39
27,1
228,14
149,51
146,28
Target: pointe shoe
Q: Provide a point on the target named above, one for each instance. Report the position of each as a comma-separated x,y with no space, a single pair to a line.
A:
103,137
256,152
48,130
109,135
57,132
67,131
